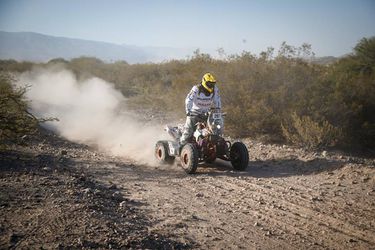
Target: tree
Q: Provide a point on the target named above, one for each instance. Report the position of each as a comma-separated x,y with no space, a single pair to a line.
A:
365,53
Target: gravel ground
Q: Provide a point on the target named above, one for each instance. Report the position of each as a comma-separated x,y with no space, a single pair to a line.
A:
59,194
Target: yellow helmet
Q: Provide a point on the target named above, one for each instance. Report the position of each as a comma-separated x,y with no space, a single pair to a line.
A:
208,82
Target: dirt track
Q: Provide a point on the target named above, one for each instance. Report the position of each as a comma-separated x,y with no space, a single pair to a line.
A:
57,194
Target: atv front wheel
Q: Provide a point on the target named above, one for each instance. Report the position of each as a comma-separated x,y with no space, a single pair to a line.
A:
189,158
239,156
161,153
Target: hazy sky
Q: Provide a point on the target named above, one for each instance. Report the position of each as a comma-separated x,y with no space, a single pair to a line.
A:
333,27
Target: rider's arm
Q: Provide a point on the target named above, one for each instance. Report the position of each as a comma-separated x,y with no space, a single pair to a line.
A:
190,98
217,100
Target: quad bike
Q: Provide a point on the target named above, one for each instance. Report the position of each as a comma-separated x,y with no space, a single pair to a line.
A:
205,145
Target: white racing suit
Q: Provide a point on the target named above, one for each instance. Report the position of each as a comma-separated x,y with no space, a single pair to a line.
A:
197,102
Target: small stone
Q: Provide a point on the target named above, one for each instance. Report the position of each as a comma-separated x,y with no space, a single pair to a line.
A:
365,179
341,177
199,195
14,238
316,198
256,224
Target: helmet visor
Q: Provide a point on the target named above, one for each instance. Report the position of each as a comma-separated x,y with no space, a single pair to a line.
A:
210,85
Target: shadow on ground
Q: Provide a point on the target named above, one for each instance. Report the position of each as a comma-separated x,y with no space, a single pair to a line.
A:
271,168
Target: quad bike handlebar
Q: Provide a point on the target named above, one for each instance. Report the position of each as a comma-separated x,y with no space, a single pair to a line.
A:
205,115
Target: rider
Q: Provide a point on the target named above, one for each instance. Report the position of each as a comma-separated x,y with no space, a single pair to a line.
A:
199,100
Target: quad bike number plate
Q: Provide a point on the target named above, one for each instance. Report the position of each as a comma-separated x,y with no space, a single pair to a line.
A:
171,148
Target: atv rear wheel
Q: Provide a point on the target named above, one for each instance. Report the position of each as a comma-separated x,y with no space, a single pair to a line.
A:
189,158
239,156
161,153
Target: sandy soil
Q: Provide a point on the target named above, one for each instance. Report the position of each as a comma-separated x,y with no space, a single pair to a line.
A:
57,194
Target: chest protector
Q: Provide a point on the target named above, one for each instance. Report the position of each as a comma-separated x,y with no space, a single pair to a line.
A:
203,100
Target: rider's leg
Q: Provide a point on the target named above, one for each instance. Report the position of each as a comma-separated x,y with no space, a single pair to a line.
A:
188,129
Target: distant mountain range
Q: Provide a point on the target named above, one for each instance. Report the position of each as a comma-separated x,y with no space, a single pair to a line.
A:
29,46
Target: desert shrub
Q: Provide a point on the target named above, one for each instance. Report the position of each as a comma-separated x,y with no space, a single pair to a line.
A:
14,66
335,103
305,132
15,119
351,102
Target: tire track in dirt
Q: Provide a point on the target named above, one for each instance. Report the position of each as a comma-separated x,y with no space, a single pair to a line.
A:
188,205
219,208
293,209
302,219
259,205
233,225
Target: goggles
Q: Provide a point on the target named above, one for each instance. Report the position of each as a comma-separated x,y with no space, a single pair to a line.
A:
210,85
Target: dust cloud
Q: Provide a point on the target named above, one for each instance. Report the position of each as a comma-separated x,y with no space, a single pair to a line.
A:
90,111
